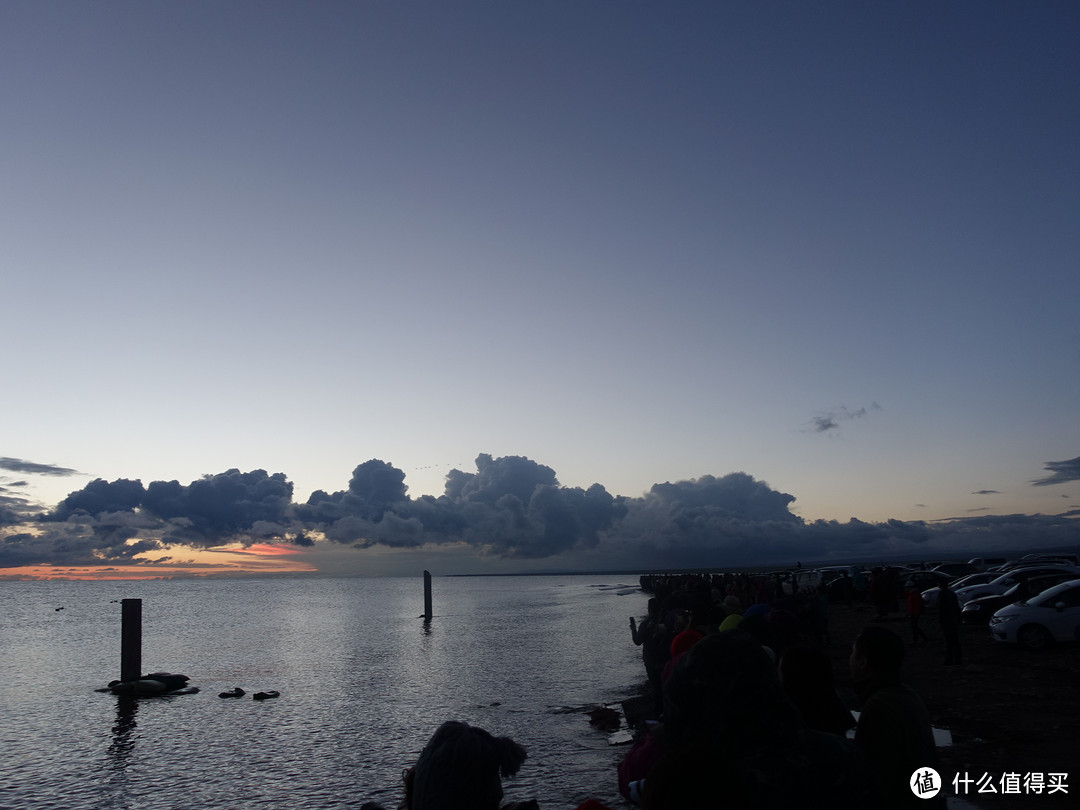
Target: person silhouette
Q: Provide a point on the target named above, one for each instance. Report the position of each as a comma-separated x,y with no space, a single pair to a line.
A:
894,727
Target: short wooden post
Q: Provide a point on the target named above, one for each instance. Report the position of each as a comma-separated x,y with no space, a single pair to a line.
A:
131,639
427,596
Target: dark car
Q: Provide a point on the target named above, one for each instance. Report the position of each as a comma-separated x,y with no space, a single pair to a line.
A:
924,580
956,569
848,588
979,611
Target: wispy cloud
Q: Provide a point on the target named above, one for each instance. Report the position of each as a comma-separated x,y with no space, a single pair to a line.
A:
14,504
986,492
833,418
1061,472
33,468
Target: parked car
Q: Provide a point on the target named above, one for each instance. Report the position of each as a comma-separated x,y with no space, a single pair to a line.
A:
1065,559
956,569
1010,578
807,578
983,563
831,572
1052,616
846,588
930,596
979,611
924,579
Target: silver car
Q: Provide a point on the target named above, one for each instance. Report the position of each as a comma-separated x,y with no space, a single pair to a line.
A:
1053,615
1010,578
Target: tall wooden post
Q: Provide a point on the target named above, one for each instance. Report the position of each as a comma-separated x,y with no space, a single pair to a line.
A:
427,596
130,639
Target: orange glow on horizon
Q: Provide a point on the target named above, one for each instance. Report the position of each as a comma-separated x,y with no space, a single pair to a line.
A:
224,561
267,550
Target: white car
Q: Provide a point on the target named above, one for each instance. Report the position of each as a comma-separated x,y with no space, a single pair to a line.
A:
1053,615
930,596
998,586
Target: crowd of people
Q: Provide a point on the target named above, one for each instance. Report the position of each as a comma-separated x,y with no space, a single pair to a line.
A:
746,710
745,713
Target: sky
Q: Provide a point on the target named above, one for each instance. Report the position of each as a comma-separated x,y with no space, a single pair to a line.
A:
831,247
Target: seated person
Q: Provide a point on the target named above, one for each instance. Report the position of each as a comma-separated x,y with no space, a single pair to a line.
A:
460,769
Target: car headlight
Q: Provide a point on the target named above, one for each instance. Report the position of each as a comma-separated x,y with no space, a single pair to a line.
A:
1000,619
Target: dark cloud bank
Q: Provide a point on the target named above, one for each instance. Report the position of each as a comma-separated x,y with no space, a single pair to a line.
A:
509,508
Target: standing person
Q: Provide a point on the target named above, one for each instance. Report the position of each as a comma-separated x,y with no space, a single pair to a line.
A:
858,582
914,611
894,727
949,615
846,589
806,676
686,635
732,739
879,592
654,641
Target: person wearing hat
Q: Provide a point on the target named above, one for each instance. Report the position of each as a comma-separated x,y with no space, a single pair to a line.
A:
914,611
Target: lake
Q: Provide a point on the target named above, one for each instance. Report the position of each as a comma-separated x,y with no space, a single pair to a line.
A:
363,684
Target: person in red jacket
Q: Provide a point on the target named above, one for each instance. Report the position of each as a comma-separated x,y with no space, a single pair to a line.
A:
686,635
914,611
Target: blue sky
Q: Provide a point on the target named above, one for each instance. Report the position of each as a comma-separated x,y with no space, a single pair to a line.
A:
833,246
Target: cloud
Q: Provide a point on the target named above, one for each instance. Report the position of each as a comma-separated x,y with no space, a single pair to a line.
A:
833,418
1005,532
19,465
986,492
1061,472
12,508
208,511
82,539
510,510
102,496
510,507
15,508
734,496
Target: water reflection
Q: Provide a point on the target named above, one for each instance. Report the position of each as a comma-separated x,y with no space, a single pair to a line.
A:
351,664
119,753
123,733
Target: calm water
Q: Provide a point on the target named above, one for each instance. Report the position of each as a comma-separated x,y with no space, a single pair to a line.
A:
363,685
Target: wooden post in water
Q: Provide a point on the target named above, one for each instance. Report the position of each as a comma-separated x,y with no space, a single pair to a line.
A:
130,639
427,596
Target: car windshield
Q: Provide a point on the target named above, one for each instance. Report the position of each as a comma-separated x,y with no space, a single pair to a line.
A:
1019,574
1051,596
